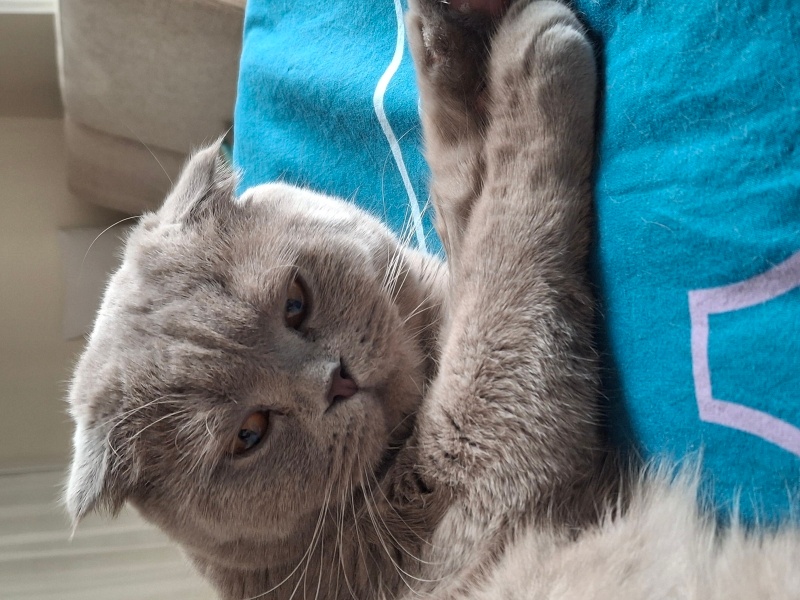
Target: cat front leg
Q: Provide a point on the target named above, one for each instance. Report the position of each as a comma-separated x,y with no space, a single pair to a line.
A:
510,422
450,47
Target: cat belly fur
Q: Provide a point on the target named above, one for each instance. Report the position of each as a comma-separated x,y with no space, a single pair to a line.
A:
663,546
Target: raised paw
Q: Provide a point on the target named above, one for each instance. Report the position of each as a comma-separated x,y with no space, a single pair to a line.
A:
542,84
450,45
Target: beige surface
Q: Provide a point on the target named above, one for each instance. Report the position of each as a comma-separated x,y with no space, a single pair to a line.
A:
237,3
28,74
109,170
35,361
144,78
162,72
123,559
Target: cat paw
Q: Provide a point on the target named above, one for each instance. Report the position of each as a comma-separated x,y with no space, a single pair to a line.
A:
541,42
542,83
450,45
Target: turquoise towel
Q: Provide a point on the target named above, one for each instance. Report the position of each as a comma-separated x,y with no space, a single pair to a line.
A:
327,100
698,257
697,262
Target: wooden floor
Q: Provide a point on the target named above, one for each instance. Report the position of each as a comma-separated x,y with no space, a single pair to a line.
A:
110,559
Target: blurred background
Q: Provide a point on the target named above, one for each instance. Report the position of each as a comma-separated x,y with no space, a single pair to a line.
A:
100,102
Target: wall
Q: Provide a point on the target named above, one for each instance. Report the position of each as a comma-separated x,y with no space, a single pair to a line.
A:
35,360
28,75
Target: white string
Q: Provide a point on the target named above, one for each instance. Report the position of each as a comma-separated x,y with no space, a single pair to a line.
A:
377,101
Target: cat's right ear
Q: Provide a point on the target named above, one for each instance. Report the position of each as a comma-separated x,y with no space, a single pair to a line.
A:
206,188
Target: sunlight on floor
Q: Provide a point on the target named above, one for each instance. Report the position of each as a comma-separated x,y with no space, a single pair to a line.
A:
122,559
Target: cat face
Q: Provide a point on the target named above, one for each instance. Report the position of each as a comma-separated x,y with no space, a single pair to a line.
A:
253,360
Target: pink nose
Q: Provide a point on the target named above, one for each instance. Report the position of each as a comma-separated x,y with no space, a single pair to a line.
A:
342,386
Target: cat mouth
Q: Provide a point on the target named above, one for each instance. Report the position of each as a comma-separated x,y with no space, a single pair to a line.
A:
386,462
394,446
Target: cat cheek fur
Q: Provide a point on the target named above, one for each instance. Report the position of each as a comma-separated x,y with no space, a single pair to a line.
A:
102,473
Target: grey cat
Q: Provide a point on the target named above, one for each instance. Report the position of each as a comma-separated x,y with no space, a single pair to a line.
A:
310,408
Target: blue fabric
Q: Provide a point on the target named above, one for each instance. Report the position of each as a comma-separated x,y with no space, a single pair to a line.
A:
305,111
697,261
698,186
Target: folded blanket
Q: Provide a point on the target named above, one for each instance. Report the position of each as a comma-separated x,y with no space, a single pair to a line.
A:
697,261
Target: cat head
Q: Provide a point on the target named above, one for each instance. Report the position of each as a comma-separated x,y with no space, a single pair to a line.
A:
253,359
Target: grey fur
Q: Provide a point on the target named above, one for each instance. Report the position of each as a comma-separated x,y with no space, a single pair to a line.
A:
467,464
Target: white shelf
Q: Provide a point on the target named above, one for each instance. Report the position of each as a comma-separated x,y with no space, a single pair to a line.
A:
28,7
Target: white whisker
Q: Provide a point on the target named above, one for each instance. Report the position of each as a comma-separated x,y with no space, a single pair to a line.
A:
99,235
377,529
308,552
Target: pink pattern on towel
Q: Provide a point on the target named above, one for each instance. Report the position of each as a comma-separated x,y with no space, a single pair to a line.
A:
764,287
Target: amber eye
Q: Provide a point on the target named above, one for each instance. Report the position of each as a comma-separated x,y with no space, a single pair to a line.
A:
296,306
251,432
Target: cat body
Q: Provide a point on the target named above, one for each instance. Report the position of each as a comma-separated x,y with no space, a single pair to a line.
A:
311,408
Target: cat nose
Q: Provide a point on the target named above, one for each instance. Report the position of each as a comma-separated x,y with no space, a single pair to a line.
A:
342,386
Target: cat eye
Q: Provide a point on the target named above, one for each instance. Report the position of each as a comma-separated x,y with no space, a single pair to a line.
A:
251,432
296,308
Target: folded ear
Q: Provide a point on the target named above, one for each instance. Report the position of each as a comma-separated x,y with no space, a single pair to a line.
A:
95,479
206,187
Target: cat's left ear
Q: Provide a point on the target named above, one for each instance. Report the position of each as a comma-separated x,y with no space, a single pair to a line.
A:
96,479
206,188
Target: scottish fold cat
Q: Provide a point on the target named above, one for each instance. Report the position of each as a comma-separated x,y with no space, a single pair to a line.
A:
310,408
